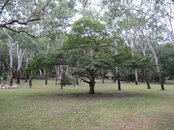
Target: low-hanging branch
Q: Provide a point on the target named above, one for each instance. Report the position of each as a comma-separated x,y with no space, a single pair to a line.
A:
19,22
3,6
30,19
5,25
26,32
85,81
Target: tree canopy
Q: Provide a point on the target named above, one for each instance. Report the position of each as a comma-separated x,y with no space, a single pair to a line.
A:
80,39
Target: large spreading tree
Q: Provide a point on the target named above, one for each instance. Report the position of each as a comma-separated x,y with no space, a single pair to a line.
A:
88,38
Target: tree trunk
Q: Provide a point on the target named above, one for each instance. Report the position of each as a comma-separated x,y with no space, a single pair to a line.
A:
11,77
74,76
56,79
26,74
136,77
91,87
103,80
62,82
118,78
41,76
46,77
20,55
162,80
18,77
11,45
145,75
30,81
26,78
91,82
77,81
74,82
57,73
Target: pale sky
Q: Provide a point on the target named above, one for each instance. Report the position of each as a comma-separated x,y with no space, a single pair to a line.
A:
136,2
94,5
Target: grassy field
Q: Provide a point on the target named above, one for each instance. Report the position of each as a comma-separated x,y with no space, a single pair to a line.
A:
50,108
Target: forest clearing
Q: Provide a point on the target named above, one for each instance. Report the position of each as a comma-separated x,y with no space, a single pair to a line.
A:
49,107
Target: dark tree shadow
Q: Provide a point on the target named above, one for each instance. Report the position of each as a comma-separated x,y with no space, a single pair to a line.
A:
102,96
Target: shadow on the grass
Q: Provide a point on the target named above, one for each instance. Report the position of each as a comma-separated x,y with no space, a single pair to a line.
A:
120,94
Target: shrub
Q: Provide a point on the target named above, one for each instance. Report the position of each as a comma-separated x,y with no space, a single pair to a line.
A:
68,80
4,75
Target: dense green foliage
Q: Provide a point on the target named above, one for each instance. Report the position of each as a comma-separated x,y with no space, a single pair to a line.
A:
117,38
166,54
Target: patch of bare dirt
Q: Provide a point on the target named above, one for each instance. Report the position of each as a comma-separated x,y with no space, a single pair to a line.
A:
6,86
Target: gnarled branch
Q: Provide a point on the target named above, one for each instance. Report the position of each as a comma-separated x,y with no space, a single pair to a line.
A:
85,81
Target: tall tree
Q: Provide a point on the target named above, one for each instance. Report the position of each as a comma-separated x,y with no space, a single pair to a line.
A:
11,45
20,55
87,37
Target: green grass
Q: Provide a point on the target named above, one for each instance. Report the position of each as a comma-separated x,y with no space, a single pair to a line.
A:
50,108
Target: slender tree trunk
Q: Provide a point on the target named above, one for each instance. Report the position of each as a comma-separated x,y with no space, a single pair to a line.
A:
77,81
40,74
74,76
146,78
162,80
26,78
46,77
57,73
103,79
118,78
18,77
11,77
61,83
20,55
136,77
10,44
11,70
56,79
74,82
30,81
62,79
26,74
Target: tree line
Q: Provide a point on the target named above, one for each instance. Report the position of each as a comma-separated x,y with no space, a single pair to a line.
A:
120,37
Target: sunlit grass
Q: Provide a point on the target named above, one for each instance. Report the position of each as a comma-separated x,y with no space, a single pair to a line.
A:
48,107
